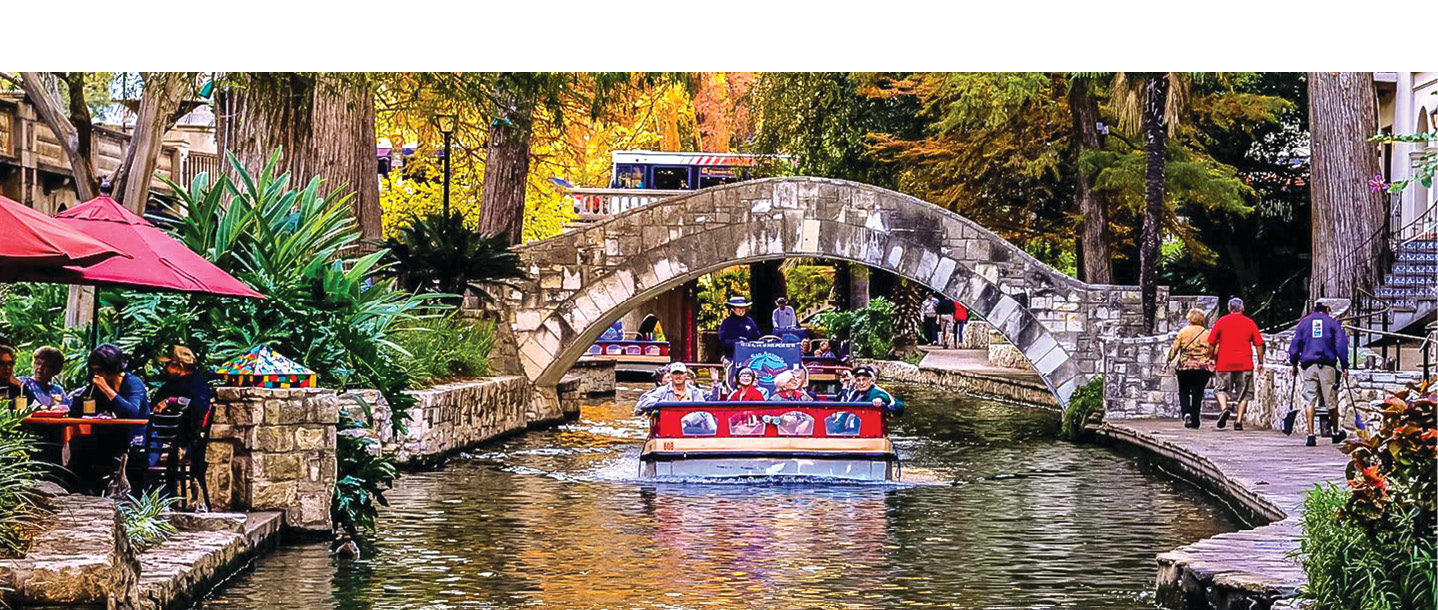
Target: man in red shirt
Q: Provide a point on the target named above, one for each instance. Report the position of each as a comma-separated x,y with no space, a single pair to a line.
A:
1235,336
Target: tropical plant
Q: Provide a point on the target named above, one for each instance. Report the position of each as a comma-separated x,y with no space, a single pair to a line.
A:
808,286
440,253
446,347
20,471
1085,401
1373,547
365,474
144,520
869,329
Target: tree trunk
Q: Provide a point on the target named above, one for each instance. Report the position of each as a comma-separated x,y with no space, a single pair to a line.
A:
858,286
766,283
75,143
163,93
1095,253
506,168
324,123
1155,132
1347,214
839,292
907,300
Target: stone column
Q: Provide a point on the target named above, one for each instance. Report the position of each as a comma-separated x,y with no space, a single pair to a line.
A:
274,449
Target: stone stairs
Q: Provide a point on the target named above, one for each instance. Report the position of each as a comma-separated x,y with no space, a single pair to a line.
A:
1411,286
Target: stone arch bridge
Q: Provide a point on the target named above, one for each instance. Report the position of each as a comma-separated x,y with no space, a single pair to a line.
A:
585,279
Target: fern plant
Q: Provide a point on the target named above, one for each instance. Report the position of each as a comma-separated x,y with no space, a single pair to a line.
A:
144,520
19,474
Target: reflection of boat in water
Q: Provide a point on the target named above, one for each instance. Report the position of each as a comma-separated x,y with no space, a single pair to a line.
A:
760,439
636,354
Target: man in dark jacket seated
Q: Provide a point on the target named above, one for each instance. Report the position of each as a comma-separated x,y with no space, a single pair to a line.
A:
185,399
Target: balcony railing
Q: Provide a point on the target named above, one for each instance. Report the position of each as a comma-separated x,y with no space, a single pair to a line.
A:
196,162
598,204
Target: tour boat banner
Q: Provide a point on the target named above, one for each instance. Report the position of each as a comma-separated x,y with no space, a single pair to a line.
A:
768,359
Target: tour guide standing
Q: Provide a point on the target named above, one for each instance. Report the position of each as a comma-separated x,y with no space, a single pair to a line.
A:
1235,335
784,315
737,327
1318,345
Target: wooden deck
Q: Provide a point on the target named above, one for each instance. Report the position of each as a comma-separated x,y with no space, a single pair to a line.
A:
1264,473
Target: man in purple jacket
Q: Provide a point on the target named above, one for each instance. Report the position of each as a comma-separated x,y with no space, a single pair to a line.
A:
1317,348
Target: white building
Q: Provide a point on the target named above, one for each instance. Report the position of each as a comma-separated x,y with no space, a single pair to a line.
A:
1407,104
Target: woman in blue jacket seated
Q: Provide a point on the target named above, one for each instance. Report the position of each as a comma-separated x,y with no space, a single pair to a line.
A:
118,394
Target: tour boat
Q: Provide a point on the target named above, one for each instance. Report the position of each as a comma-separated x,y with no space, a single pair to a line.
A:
634,354
769,439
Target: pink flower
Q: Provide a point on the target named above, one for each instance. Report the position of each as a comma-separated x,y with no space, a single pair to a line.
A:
1376,184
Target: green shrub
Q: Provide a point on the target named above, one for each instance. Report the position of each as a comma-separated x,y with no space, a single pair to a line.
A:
1086,400
808,285
365,474
870,329
19,474
715,289
448,346
1372,546
144,518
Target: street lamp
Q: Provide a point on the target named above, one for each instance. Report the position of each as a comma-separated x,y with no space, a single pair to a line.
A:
446,127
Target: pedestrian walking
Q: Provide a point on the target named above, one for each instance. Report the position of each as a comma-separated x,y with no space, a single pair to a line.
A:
1192,360
945,309
931,319
961,317
1236,337
1315,352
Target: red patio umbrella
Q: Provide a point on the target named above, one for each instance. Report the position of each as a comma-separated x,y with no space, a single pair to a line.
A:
159,262
30,240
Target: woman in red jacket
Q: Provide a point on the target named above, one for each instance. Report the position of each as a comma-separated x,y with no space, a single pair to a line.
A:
747,382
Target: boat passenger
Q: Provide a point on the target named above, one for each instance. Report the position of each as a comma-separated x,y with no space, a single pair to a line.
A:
789,387
865,390
824,350
748,389
679,389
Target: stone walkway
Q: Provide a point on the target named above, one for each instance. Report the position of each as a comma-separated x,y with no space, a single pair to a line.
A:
1265,472
974,361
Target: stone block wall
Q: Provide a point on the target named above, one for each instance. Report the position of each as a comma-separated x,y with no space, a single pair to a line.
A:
84,560
596,376
274,449
448,417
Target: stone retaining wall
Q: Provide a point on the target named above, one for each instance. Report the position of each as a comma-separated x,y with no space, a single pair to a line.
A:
274,449
1031,393
83,560
596,376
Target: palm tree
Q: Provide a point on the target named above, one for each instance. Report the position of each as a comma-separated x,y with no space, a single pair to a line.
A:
439,253
1151,102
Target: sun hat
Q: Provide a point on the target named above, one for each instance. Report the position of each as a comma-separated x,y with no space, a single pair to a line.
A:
781,301
737,302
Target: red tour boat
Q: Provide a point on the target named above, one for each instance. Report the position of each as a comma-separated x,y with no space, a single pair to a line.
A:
760,439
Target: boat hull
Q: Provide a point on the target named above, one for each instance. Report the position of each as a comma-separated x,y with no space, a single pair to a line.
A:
865,460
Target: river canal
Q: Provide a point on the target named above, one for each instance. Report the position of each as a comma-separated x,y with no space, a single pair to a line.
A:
995,513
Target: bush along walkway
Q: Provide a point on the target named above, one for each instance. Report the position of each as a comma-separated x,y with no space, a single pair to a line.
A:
1265,474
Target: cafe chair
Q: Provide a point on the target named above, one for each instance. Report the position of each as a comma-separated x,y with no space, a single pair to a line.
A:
177,466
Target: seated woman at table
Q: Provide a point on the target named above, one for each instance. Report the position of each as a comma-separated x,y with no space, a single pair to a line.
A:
10,386
41,389
118,394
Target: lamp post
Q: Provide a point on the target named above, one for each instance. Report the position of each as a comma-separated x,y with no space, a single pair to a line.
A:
446,127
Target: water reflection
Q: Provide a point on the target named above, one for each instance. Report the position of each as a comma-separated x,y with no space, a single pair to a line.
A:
1002,517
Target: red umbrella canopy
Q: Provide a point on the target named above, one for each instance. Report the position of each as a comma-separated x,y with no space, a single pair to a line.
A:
30,240
159,262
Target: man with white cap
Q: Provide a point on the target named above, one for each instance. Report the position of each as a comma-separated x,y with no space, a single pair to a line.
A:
679,389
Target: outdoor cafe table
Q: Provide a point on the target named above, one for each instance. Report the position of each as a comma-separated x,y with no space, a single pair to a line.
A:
72,426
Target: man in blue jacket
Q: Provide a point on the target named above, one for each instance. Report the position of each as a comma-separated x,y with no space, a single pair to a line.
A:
1318,347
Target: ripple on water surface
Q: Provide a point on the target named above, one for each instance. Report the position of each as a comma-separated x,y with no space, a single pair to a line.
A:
994,513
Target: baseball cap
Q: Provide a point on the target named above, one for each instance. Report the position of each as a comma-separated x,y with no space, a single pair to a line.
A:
678,368
864,371
180,354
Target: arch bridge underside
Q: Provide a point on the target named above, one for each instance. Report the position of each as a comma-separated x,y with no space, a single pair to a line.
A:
584,280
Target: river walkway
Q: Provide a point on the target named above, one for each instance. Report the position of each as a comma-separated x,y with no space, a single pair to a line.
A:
1267,475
